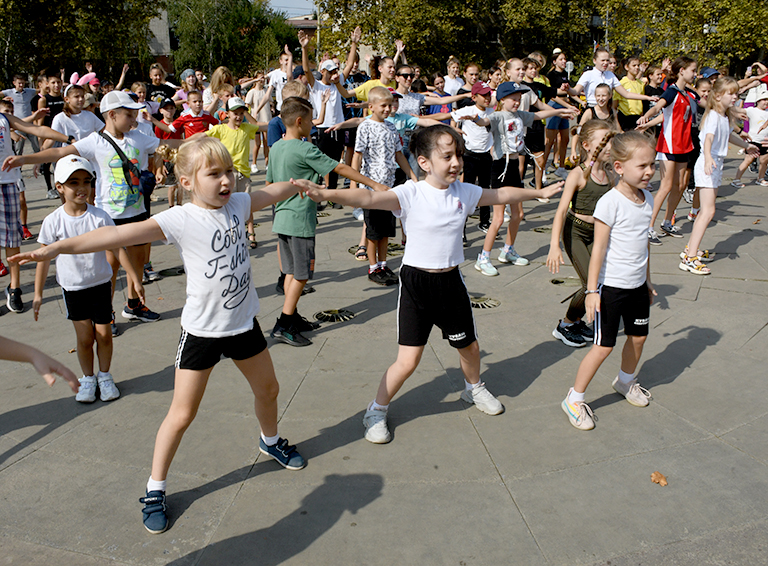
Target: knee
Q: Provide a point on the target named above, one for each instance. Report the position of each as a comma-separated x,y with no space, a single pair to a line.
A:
473,350
180,418
267,391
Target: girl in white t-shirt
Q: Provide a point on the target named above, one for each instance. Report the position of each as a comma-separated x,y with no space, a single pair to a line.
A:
715,132
85,279
453,82
758,119
619,280
72,121
219,315
433,213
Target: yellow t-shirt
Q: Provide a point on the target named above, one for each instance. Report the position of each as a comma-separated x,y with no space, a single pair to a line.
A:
237,143
626,106
361,92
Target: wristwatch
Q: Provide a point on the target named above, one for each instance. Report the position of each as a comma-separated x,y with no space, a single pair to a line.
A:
71,139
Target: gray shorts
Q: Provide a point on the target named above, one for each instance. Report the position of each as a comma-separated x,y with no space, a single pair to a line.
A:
297,256
242,183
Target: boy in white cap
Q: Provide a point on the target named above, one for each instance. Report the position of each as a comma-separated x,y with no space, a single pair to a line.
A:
86,279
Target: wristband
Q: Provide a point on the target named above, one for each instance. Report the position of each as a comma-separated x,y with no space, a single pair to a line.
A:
588,292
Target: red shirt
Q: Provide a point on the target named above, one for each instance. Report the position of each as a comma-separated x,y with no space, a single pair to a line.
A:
193,124
163,135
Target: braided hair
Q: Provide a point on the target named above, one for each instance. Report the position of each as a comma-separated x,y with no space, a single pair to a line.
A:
587,131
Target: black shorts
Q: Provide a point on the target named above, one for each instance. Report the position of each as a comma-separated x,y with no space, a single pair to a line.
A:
198,353
694,155
434,299
763,149
477,168
628,122
506,173
93,303
535,138
138,218
677,157
633,306
379,224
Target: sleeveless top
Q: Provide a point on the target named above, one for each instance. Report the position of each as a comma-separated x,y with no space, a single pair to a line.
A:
585,200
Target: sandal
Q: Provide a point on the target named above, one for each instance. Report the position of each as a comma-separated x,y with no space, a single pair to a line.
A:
693,265
701,255
361,254
252,240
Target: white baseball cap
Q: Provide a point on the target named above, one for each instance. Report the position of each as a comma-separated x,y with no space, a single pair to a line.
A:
329,65
68,165
118,99
235,102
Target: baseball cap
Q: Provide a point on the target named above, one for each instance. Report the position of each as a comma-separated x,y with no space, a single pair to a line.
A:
89,100
556,51
167,102
708,72
507,88
95,82
329,65
235,102
68,165
480,88
394,93
298,71
118,99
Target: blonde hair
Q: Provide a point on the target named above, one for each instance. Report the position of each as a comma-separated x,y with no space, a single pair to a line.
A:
451,61
219,77
723,85
379,93
160,68
295,88
588,131
199,153
624,145
226,87
137,85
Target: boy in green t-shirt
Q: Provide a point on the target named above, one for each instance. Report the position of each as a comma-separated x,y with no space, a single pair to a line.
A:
296,218
236,135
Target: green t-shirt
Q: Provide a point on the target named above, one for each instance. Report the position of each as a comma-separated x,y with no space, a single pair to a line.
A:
297,159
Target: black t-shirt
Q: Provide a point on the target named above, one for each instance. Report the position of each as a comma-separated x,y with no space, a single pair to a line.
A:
544,92
557,78
56,104
464,102
156,93
651,91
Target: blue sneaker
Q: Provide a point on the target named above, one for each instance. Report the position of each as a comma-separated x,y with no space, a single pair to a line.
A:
155,519
287,456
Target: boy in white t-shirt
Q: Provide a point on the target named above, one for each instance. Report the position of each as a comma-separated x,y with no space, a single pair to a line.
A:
758,131
85,279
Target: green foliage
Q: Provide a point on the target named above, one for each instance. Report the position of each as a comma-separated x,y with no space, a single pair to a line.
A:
239,34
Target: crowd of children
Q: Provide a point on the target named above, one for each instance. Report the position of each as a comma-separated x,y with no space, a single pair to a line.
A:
382,133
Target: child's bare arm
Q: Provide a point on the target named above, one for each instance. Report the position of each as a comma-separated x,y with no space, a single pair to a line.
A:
353,123
509,195
599,247
47,156
41,274
44,365
354,39
357,162
264,100
35,130
562,112
275,192
350,173
379,200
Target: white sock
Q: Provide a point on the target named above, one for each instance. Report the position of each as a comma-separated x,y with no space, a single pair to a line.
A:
574,397
372,268
694,210
625,378
270,440
376,407
379,264
102,374
384,263
154,485
469,386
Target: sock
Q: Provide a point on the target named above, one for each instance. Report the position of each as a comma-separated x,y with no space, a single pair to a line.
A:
133,303
376,407
564,324
102,374
667,223
384,264
372,268
694,210
379,265
625,378
470,386
485,255
574,397
285,320
154,485
508,248
270,440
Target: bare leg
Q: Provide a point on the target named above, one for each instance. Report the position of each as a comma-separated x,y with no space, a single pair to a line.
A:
630,355
705,216
293,288
562,146
103,334
515,217
23,208
14,268
588,367
85,338
493,229
408,358
260,373
677,191
470,362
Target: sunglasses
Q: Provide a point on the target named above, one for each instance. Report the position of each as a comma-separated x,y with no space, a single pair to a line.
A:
406,75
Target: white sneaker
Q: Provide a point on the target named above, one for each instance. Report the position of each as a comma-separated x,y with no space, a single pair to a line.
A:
482,399
562,172
484,266
632,392
512,257
254,169
376,430
580,415
107,389
357,213
87,391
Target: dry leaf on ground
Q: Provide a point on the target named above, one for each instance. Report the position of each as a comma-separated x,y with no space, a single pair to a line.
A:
659,478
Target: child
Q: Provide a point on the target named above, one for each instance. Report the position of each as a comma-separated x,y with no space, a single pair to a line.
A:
73,121
433,212
236,136
193,120
253,100
628,111
22,97
168,113
758,122
378,153
85,279
575,221
716,132
508,132
602,110
600,74
219,315
10,217
296,218
619,281
452,81
167,176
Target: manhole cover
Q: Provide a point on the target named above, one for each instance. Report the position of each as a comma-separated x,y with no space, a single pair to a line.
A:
334,315
172,272
395,249
566,282
484,303
543,229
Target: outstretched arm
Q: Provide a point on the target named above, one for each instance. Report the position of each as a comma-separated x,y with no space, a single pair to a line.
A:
275,192
379,200
509,195
44,365
354,40
352,174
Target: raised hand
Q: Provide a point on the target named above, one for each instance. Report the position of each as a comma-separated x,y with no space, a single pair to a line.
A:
356,35
303,39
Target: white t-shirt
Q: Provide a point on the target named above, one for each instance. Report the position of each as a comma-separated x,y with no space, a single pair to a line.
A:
477,139
277,80
75,272
434,221
590,79
78,125
6,150
334,113
253,99
626,259
720,127
757,119
452,86
221,299
114,194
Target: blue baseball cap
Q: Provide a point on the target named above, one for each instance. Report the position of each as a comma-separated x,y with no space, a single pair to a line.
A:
708,72
505,89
